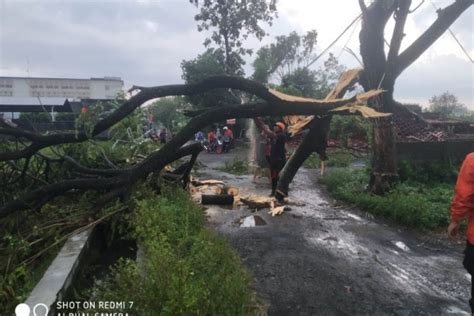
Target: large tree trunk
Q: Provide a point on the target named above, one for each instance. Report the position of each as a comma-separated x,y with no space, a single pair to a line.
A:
314,141
384,164
381,71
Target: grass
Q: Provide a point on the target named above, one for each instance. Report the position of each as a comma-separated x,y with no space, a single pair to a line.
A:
236,167
29,243
188,270
339,158
412,203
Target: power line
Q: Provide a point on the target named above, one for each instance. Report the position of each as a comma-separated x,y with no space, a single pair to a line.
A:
348,39
334,42
454,36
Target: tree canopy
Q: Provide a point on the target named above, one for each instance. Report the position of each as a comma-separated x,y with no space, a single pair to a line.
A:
231,22
169,112
208,64
447,105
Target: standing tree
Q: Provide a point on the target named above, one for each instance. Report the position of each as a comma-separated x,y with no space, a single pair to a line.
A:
447,105
210,63
169,112
287,55
231,22
381,70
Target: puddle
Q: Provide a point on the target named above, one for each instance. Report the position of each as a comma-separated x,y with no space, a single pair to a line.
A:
456,311
353,216
252,221
401,245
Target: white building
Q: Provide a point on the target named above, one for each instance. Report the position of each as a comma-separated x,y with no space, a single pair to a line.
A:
77,89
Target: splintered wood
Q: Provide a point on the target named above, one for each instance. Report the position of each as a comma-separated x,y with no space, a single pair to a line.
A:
198,188
297,123
257,201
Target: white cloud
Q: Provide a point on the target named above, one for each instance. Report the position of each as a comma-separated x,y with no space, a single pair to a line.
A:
145,43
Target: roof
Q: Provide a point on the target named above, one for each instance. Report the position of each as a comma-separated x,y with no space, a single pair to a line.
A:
53,78
34,104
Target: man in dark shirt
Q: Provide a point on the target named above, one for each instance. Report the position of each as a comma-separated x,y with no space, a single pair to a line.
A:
277,150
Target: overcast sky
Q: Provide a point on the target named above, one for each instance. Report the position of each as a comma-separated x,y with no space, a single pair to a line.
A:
144,42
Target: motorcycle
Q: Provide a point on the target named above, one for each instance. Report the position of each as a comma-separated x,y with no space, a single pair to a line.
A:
219,146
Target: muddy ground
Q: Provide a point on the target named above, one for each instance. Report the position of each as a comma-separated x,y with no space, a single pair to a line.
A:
328,259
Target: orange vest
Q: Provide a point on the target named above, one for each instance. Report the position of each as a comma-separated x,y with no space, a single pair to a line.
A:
463,201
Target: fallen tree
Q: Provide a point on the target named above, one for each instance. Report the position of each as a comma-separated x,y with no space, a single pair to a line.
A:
316,138
380,71
116,182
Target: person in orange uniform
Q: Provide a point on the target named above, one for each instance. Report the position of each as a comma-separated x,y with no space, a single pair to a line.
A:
463,207
277,157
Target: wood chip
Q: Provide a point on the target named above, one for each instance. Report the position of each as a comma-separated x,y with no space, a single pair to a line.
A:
196,182
257,201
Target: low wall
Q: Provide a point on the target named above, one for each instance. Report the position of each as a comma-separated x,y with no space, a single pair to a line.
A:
447,151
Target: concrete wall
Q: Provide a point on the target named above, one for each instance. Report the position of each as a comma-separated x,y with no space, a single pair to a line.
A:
435,151
94,88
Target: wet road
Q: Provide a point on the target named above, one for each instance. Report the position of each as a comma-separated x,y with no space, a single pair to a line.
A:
327,259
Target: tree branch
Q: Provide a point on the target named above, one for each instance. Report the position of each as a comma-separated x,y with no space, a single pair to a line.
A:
168,153
125,179
99,172
446,18
18,133
42,141
400,18
363,7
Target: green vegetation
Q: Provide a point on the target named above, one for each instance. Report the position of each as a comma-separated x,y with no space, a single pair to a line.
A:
169,112
412,202
32,239
448,106
339,158
237,167
187,269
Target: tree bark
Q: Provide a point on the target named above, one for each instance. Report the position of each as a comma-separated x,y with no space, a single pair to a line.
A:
381,71
384,165
315,140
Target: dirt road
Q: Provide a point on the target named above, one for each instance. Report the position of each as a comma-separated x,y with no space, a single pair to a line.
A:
326,259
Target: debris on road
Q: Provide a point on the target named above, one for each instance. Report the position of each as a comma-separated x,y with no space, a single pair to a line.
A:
217,199
252,221
211,191
257,202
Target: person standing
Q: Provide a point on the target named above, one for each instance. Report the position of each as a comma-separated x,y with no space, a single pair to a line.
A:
199,136
277,149
230,134
226,139
211,138
462,207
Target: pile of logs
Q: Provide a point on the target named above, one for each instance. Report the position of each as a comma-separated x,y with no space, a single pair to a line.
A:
216,192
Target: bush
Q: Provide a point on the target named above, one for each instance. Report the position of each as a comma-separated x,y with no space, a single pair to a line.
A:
187,270
409,203
425,172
